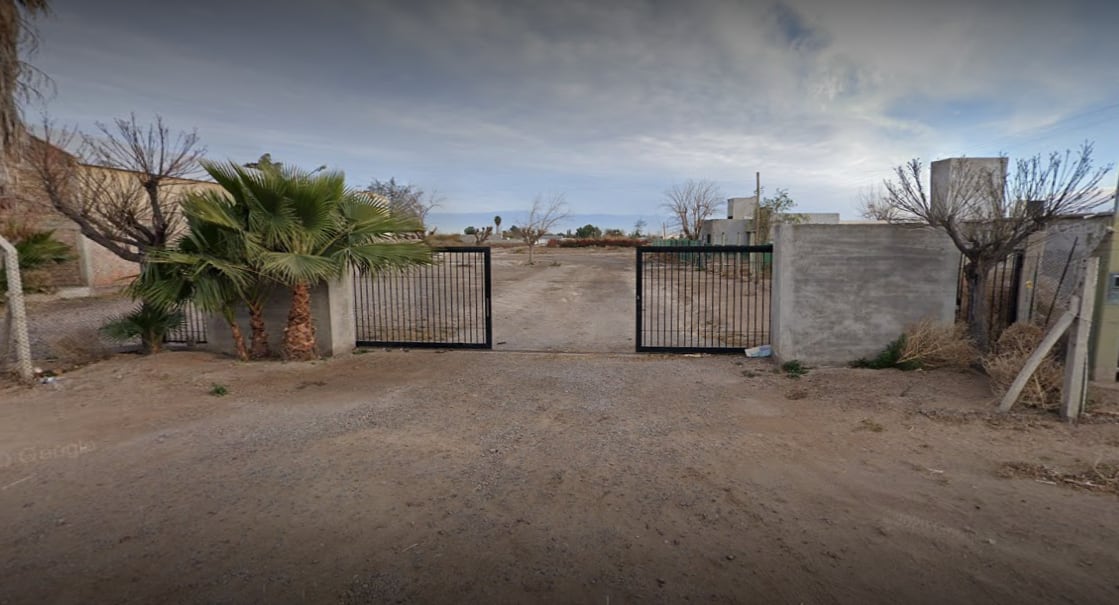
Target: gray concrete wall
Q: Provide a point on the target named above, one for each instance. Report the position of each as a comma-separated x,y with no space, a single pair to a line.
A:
726,232
842,292
742,207
1060,251
948,178
819,218
332,307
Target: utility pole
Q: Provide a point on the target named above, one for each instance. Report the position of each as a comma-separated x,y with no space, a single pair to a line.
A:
758,190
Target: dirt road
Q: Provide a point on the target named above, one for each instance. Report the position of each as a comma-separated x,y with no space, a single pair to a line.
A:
569,300
428,477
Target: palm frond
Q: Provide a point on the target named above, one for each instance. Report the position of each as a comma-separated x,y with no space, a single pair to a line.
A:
291,269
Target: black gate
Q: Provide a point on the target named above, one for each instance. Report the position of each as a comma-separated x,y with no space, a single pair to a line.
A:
193,329
703,298
444,305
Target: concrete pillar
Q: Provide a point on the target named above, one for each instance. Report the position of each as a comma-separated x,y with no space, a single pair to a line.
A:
332,307
842,292
1104,360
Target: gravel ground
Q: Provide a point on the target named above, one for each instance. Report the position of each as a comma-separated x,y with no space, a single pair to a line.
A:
559,468
54,325
426,476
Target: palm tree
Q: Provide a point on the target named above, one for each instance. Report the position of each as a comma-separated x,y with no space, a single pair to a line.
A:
302,228
206,267
231,214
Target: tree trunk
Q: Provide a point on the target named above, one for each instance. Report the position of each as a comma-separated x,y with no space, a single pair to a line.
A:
530,249
975,274
299,334
239,341
151,337
235,330
260,348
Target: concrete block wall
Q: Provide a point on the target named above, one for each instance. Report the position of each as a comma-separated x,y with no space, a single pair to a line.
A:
842,292
332,307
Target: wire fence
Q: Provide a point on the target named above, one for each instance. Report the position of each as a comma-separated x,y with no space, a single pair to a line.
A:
1054,267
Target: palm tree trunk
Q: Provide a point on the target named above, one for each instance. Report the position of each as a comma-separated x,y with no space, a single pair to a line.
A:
235,330
260,348
299,334
151,336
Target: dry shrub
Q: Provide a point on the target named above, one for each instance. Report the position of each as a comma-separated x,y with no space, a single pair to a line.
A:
934,345
80,347
1008,356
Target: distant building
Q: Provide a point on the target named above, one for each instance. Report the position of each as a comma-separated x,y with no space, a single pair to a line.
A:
739,229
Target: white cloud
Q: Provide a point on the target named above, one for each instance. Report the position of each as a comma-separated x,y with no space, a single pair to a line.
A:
492,100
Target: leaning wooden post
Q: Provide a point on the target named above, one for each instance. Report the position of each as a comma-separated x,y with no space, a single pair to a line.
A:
17,314
1075,390
1034,360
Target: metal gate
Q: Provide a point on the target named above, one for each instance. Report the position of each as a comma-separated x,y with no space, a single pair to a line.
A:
444,305
703,298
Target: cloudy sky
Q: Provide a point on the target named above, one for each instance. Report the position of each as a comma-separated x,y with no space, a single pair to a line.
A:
491,101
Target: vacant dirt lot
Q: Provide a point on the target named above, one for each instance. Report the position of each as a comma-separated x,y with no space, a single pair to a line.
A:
498,476
523,477
571,300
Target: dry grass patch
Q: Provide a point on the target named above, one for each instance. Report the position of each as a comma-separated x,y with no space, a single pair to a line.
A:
926,345
934,345
1008,356
1100,477
79,347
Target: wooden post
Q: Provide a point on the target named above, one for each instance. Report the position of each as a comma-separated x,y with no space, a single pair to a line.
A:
1035,359
17,314
1075,390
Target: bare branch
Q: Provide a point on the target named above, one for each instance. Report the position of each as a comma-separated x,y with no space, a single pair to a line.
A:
545,214
989,215
406,200
871,204
127,199
691,203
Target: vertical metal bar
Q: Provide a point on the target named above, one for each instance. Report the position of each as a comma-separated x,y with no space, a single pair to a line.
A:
446,298
358,330
476,300
1016,285
640,284
455,298
752,306
489,299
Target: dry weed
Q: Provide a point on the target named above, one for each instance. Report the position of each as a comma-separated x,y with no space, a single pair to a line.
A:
935,345
80,347
1005,361
1099,477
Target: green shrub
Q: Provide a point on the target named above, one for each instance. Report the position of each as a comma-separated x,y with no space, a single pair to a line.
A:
793,368
149,323
36,250
890,357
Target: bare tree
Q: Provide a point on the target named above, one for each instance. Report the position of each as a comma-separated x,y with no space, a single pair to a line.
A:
543,217
989,215
407,201
691,203
481,234
871,204
118,186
